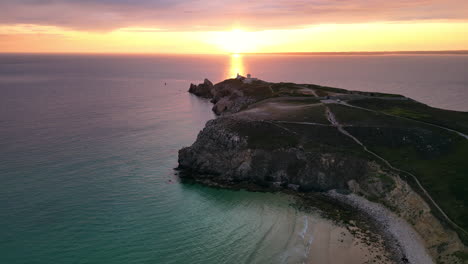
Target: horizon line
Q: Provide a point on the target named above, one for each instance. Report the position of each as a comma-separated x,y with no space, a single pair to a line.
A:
405,52
359,52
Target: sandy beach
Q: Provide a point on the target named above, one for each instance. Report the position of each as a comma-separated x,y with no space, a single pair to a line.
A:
394,228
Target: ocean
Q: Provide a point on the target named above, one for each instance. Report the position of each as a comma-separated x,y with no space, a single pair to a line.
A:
88,144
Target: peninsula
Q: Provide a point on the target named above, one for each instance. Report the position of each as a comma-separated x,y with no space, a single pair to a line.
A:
379,153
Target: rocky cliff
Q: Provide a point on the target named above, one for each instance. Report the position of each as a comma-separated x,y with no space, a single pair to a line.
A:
313,138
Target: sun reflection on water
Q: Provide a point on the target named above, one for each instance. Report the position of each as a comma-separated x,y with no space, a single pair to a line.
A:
236,66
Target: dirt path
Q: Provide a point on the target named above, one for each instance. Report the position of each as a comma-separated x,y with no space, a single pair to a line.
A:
299,123
312,91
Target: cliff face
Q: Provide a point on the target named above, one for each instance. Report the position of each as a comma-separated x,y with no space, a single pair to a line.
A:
314,138
224,155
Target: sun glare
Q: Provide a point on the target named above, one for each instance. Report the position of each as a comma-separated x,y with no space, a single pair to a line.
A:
236,41
236,67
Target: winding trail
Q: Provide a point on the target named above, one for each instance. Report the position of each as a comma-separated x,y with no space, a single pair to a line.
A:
331,117
280,126
312,91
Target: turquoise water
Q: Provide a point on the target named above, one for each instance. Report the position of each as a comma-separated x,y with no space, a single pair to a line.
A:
87,150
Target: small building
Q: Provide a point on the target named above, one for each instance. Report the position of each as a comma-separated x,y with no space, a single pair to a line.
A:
249,79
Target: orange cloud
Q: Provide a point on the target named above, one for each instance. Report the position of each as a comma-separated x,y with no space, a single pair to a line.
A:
208,15
205,26
321,38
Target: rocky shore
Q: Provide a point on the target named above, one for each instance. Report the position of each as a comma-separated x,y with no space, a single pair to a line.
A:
308,138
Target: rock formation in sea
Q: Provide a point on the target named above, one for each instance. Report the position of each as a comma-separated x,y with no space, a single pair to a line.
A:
387,148
203,89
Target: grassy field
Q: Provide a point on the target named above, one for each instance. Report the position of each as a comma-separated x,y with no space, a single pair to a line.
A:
289,109
325,90
417,111
265,135
353,116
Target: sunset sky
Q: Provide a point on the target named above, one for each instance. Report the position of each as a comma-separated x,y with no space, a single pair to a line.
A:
207,26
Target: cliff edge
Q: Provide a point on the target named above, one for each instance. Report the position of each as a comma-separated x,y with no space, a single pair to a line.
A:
387,148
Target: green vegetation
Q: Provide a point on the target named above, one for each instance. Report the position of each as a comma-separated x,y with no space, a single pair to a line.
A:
406,113
291,89
325,139
461,255
312,114
296,100
325,91
258,90
290,109
265,135
321,93
277,87
417,111
328,89
358,117
437,157
443,174
387,180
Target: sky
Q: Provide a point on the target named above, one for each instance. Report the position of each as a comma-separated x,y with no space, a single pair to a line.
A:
221,26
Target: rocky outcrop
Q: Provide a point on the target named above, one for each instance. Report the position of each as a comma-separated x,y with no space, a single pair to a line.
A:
205,89
232,95
441,242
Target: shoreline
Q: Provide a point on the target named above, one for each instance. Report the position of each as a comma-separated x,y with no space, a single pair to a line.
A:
371,224
406,237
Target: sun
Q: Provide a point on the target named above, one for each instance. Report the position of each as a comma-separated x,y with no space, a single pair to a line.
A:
236,41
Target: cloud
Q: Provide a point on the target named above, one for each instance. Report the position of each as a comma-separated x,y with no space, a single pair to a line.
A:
189,15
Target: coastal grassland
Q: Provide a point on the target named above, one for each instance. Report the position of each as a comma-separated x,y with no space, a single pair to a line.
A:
325,91
348,116
417,111
311,114
461,255
321,93
323,139
288,88
296,100
293,100
442,172
435,156
287,109
264,135
270,135
291,89
258,89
